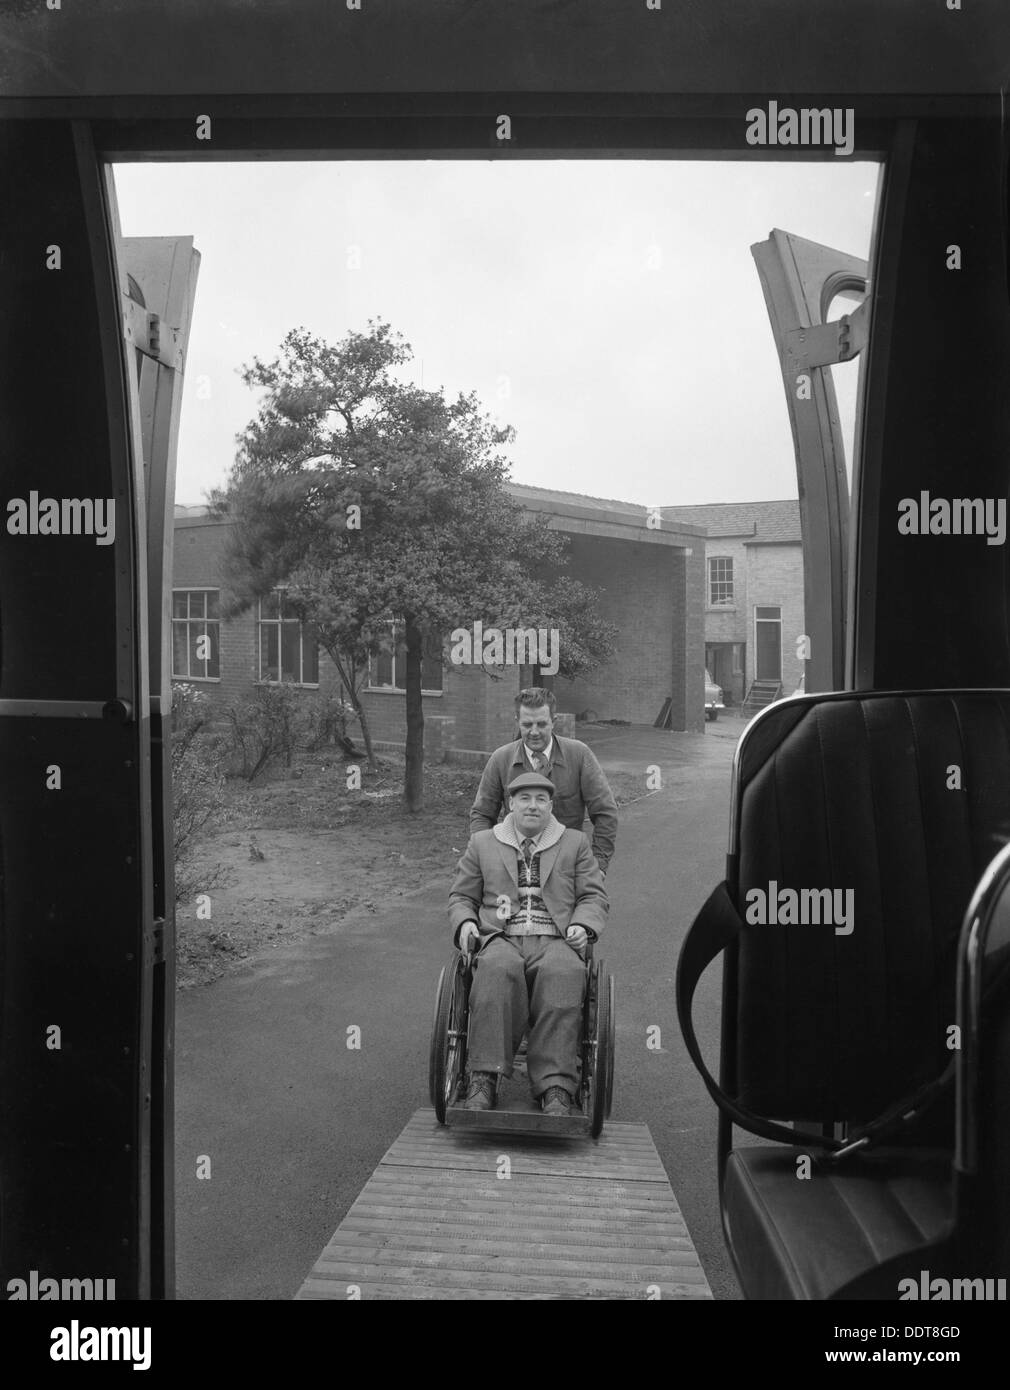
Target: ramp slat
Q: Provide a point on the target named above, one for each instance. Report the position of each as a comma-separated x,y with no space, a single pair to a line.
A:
625,1253
363,1217
606,1285
316,1289
451,1262
438,1219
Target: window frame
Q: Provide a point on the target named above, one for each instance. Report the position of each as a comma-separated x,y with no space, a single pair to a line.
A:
724,603
279,622
187,621
393,688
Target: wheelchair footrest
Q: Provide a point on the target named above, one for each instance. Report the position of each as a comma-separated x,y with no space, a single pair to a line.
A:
519,1120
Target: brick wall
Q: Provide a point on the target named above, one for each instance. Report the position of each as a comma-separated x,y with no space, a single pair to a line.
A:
728,623
481,710
653,594
688,656
472,712
763,575
776,578
197,565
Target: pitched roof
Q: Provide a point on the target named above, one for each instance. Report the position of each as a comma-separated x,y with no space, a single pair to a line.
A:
755,521
518,490
575,499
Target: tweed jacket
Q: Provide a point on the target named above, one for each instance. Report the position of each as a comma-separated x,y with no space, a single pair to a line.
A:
580,786
571,884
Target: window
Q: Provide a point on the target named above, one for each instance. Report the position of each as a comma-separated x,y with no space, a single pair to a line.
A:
288,650
720,580
388,670
196,634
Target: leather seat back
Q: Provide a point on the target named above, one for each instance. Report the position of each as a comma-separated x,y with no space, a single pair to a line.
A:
983,1092
901,799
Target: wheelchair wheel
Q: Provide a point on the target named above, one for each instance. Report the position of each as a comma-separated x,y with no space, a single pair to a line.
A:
447,1055
587,1078
611,1043
602,1081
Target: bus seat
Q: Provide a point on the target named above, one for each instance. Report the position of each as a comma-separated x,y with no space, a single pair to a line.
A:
982,1156
846,1232
895,802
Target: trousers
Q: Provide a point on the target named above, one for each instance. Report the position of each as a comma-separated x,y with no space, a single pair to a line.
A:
534,982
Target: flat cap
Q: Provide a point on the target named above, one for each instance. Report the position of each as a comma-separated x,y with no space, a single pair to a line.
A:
531,781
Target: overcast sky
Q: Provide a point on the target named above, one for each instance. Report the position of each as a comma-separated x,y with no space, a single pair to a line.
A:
610,310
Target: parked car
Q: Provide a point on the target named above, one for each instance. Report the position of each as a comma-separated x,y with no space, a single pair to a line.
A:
713,698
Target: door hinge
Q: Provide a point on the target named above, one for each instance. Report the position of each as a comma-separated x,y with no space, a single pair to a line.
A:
151,335
825,343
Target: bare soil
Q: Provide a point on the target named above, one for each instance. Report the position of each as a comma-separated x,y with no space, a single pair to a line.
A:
292,854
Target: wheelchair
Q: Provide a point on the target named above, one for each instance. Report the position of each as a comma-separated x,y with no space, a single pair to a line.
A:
447,1072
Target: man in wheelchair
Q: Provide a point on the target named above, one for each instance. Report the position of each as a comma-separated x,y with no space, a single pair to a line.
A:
527,896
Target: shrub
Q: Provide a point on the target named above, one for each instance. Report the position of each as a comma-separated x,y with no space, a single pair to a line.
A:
265,728
326,719
190,714
198,759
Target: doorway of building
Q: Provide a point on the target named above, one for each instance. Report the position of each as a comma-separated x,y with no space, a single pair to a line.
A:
768,643
724,663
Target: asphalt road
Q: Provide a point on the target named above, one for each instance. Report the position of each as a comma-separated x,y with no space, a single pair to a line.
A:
293,1121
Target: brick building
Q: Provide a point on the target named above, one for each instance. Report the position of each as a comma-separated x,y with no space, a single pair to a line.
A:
652,583
753,592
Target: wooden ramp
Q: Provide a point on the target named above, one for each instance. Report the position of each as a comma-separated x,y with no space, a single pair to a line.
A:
574,1218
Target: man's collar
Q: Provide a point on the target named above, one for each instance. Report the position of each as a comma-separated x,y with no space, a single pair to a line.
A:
557,751
546,754
508,834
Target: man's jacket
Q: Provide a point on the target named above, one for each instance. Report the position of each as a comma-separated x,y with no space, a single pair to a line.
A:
571,884
579,787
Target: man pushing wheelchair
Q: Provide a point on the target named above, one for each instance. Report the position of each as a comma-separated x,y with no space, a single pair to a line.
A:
527,896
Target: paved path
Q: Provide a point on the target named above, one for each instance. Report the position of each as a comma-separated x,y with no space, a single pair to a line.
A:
626,748
294,1122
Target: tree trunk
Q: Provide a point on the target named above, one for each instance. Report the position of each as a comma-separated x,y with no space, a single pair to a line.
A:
413,773
366,733
348,678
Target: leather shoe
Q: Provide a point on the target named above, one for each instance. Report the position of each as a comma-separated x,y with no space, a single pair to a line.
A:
556,1101
481,1092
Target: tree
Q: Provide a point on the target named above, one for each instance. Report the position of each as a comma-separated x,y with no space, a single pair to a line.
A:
376,502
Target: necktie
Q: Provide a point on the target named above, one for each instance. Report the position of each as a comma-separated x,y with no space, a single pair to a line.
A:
537,762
